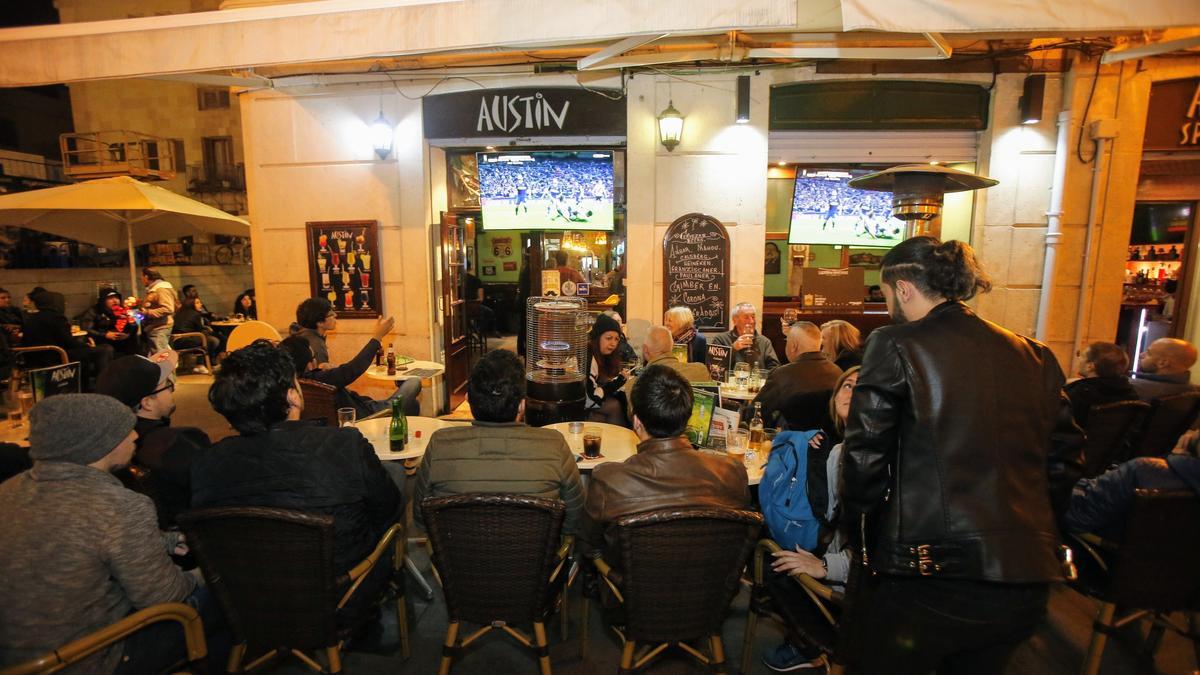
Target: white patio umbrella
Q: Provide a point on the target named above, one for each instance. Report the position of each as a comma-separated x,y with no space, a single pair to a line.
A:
116,212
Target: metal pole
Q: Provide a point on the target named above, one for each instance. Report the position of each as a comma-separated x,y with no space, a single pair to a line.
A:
1053,222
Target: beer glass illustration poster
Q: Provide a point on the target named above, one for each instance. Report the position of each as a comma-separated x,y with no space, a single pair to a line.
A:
344,266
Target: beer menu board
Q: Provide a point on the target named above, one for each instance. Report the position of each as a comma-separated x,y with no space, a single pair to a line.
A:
343,266
696,269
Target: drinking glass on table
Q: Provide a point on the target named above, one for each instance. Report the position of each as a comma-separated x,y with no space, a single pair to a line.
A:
736,444
591,442
345,417
741,375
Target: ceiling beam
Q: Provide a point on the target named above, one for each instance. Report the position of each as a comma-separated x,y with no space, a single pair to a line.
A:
601,58
1149,49
215,80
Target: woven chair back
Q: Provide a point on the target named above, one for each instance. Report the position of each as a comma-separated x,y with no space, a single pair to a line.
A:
319,402
681,569
1110,433
1158,563
1169,417
272,573
494,553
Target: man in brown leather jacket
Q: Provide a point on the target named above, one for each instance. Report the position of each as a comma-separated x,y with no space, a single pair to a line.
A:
960,450
666,472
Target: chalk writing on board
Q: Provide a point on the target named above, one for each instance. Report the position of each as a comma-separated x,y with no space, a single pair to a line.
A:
696,269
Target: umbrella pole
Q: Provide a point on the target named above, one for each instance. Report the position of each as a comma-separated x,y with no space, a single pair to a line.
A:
133,276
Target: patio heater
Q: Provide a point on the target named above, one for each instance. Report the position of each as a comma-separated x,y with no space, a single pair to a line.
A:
555,359
917,190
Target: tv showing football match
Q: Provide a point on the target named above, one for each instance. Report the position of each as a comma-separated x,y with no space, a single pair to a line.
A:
826,210
546,190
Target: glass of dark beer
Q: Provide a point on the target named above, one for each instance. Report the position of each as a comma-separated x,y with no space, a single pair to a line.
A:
591,442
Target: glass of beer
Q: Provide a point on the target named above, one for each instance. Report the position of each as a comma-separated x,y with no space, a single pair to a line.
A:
591,442
345,417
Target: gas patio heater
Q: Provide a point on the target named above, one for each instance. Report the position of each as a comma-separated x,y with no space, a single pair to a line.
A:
917,190
555,359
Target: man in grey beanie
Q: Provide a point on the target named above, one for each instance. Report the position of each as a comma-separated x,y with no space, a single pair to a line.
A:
79,550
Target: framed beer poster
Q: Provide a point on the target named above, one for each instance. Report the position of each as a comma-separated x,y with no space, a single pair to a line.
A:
344,265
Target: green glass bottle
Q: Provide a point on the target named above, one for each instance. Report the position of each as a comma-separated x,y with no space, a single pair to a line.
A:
398,430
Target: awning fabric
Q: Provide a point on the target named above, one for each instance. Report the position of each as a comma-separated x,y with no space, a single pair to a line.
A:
965,16
117,49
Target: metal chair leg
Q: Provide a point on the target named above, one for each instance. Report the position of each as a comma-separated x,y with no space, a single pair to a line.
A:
542,646
420,578
449,646
1104,620
718,654
402,622
627,653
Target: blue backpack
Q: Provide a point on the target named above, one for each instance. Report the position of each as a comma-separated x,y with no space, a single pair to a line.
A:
783,493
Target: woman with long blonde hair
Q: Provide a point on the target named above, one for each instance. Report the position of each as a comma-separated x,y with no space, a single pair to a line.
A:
841,342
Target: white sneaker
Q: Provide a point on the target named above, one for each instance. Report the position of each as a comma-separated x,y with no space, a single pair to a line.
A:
200,370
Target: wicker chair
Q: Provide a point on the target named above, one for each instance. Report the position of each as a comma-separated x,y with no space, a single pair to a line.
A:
1154,570
1169,417
272,573
1111,430
826,600
201,349
80,649
501,564
670,594
319,402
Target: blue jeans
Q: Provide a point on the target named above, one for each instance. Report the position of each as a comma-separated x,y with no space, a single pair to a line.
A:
407,391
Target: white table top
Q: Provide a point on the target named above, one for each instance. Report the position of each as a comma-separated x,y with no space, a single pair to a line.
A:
616,443
380,372
730,391
226,324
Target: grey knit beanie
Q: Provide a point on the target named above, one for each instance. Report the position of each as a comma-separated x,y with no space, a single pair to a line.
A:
77,428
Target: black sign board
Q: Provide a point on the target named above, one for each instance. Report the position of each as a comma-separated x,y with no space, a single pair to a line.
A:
833,287
525,112
696,269
717,361
61,379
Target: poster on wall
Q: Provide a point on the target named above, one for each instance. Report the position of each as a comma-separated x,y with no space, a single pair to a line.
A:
771,258
343,266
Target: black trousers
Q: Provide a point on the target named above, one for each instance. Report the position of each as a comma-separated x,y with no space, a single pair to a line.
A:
946,625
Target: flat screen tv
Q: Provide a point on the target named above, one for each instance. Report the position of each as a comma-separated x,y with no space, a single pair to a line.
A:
546,190
826,210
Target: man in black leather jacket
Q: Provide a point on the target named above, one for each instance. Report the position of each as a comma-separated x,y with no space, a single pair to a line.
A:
959,451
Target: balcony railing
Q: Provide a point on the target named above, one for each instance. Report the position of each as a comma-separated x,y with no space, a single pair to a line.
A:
103,154
221,178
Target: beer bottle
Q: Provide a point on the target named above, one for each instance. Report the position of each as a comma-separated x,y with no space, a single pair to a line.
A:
391,360
756,428
398,430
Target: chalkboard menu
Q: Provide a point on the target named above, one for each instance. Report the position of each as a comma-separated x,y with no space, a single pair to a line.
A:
343,266
696,269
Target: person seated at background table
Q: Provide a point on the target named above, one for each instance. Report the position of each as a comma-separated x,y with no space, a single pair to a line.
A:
497,453
342,376
1100,505
605,398
841,341
80,551
147,387
191,319
1165,369
1104,380
796,394
748,345
279,461
829,563
682,324
245,305
566,273
875,294
666,472
108,322
656,350
11,317
49,326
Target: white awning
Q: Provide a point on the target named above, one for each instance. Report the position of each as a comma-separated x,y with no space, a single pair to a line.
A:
964,16
292,33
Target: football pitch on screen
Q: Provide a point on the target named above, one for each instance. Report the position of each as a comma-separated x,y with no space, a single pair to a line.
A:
539,214
845,230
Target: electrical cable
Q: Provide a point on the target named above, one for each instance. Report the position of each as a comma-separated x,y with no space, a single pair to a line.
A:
1083,121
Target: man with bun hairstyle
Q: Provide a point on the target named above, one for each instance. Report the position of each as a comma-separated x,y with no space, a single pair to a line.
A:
959,452
79,550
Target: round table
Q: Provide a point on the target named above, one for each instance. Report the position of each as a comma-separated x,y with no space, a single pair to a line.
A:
731,392
376,431
616,443
226,324
78,332
380,372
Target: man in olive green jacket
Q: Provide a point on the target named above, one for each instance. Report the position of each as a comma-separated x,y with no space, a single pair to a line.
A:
498,453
